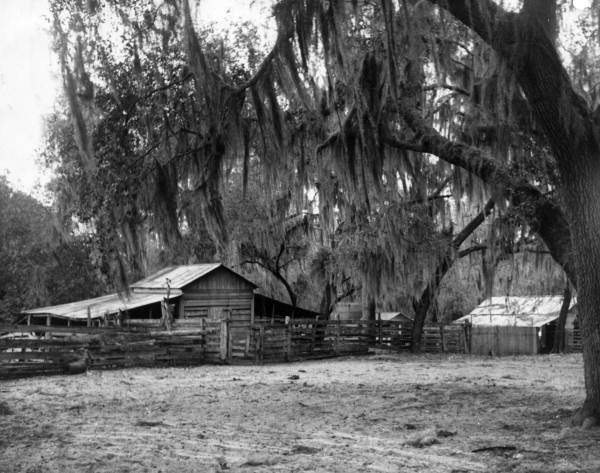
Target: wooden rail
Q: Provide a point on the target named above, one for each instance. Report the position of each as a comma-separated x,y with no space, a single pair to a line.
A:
40,349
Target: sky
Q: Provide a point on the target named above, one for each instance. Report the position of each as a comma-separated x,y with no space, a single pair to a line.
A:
30,80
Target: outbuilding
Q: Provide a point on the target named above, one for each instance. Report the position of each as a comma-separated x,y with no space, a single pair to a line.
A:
519,325
211,291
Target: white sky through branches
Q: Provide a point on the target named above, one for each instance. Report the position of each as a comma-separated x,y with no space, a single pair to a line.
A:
30,77
29,83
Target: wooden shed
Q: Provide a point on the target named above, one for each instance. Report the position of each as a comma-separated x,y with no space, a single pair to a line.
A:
348,311
210,291
519,325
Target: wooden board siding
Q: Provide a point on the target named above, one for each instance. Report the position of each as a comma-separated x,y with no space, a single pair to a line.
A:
236,307
219,295
504,340
573,339
220,279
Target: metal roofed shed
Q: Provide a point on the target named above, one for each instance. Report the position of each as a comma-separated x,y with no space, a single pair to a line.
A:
198,294
210,290
519,325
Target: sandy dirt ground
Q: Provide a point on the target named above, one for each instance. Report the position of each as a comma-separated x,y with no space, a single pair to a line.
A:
388,413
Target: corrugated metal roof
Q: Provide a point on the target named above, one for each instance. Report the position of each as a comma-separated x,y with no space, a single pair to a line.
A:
180,276
532,311
393,316
99,306
151,289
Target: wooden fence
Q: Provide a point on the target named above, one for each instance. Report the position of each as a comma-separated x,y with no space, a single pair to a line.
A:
40,349
573,340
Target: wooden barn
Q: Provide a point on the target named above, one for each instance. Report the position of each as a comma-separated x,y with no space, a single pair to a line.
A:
210,291
195,292
519,325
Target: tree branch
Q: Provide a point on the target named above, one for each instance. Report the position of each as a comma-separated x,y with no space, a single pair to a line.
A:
523,41
421,306
453,88
264,65
545,217
342,296
472,249
335,136
278,276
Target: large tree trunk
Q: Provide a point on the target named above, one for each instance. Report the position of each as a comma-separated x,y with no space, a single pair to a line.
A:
325,306
524,42
369,307
559,343
583,197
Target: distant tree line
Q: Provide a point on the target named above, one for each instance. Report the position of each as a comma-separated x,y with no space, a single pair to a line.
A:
41,264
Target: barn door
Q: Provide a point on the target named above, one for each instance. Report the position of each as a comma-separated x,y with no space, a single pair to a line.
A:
215,313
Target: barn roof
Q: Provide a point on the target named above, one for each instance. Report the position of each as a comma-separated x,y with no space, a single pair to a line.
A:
147,291
527,311
181,276
393,316
99,306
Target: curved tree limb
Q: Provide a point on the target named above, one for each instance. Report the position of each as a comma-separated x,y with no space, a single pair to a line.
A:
544,216
421,306
522,40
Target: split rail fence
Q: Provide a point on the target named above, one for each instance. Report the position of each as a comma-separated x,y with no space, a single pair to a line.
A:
41,349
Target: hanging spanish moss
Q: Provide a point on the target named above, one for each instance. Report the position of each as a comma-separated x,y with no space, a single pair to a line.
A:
352,106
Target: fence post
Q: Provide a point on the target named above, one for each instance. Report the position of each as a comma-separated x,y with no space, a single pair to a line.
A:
360,335
338,332
314,335
443,340
288,339
256,342
224,340
379,328
261,343
203,329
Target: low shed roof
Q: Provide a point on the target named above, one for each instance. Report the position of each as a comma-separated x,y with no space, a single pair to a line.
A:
99,306
532,311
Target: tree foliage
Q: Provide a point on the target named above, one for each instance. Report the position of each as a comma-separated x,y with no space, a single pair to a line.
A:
38,265
396,117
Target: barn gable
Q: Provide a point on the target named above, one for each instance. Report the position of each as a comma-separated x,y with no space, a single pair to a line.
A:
209,291
220,278
200,290
194,276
